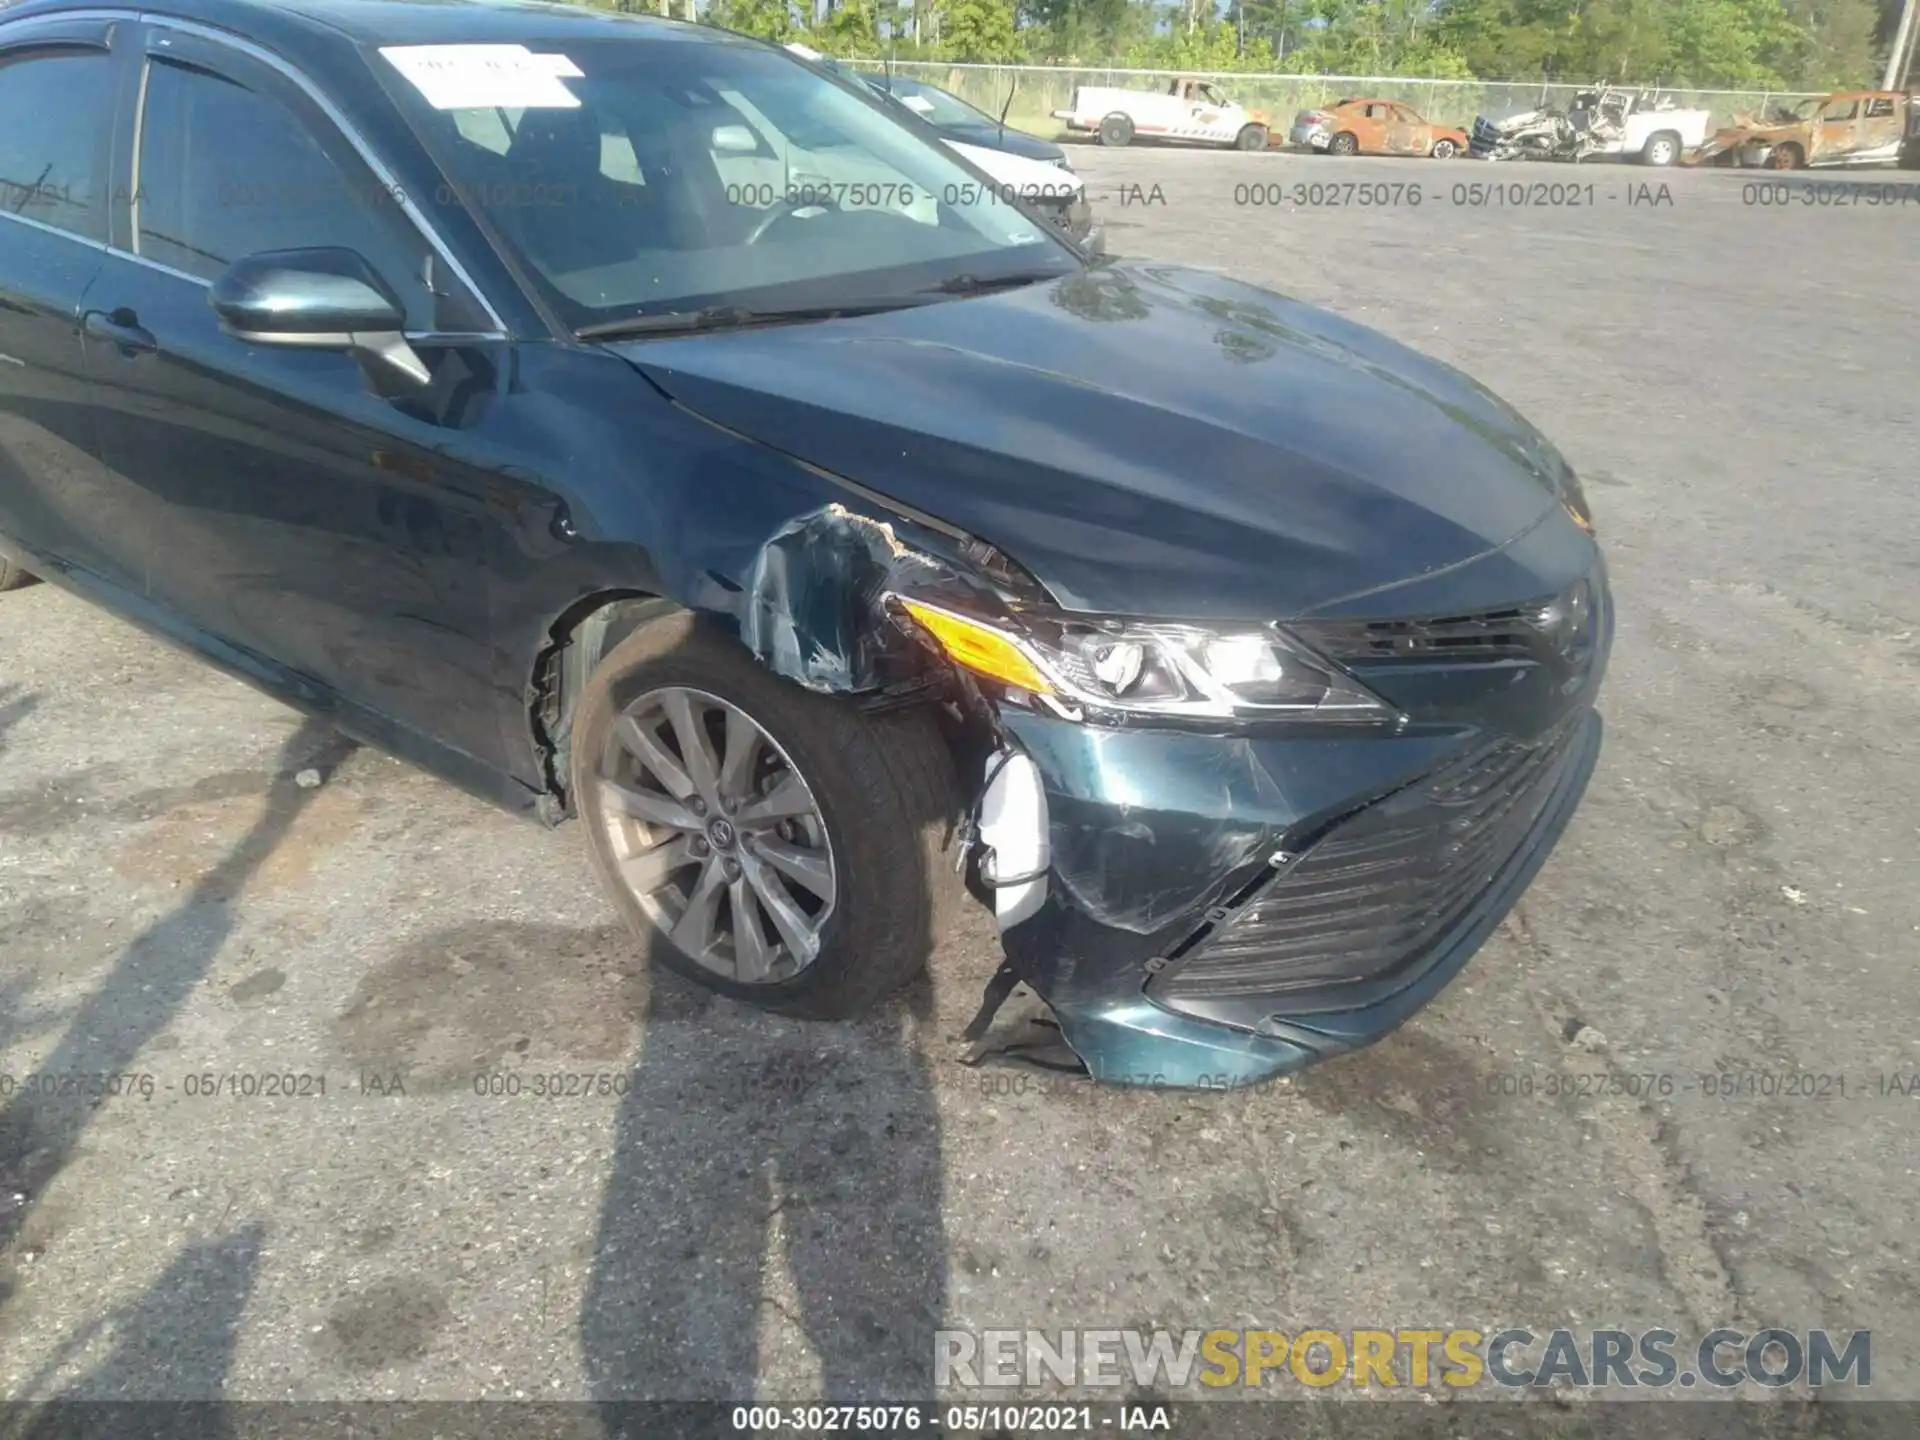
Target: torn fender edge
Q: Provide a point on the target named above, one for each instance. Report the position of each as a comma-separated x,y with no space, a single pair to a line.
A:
814,609
810,605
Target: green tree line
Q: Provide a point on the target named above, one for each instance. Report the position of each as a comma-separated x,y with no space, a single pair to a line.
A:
1741,44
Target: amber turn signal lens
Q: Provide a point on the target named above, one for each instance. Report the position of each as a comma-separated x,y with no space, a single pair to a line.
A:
978,647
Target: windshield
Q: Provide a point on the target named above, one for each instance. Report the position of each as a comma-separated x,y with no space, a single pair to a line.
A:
935,105
647,176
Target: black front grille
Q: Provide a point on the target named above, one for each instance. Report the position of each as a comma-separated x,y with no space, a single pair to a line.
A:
1556,630
1377,893
1512,633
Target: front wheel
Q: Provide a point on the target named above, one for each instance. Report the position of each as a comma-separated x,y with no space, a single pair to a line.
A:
1251,137
777,846
1345,143
13,574
1783,157
1445,149
1116,130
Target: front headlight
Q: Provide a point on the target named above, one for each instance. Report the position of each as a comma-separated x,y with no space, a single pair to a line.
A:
1142,668
1573,497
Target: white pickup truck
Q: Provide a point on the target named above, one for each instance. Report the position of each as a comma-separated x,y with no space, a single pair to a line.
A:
1189,109
1607,121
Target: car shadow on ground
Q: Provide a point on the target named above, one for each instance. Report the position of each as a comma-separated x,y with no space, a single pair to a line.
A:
152,978
771,1224
154,1355
775,1187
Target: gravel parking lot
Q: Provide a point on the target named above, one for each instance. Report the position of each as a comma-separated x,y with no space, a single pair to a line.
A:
740,1205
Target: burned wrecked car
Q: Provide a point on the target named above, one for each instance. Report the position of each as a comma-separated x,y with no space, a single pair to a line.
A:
1373,127
631,422
1854,127
1606,122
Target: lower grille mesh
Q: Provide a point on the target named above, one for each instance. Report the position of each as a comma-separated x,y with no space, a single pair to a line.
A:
1382,888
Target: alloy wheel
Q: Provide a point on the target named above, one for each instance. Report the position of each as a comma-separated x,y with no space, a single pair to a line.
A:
716,834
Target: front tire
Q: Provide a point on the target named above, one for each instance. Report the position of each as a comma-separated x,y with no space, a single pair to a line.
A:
1662,149
1116,130
14,575
1251,137
1345,143
1784,157
1445,149
777,846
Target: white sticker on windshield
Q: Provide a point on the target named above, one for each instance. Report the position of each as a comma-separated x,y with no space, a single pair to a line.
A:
467,77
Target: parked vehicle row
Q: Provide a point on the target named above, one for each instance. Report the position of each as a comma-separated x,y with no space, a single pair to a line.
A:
1846,128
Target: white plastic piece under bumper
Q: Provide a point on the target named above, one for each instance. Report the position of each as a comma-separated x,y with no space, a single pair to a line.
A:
1013,835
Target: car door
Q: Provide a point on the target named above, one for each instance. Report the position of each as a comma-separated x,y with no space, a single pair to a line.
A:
323,536
58,89
1204,111
1880,130
1372,128
1408,134
1836,132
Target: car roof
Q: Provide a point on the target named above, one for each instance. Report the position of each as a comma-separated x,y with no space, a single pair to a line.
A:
394,22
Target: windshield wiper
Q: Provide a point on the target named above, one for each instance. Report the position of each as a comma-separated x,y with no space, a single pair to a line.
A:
734,317
981,284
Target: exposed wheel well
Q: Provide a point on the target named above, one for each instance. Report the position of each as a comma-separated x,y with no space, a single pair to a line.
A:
592,626
577,640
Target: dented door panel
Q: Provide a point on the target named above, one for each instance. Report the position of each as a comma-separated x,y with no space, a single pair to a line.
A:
1836,131
1883,123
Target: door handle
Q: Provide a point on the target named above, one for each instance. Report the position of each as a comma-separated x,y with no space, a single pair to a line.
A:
122,329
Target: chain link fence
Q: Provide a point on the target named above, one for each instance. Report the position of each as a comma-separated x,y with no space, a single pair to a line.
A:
1036,91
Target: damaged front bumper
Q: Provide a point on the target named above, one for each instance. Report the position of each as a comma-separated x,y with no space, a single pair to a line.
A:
1173,950
1220,910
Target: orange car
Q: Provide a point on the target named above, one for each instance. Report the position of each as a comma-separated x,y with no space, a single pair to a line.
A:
1374,127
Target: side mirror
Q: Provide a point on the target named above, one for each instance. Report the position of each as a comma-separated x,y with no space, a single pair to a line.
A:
321,299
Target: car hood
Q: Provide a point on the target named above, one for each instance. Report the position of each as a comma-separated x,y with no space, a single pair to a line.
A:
1147,440
1025,178
1014,142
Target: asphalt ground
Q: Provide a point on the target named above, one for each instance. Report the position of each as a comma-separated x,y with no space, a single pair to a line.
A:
742,1206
